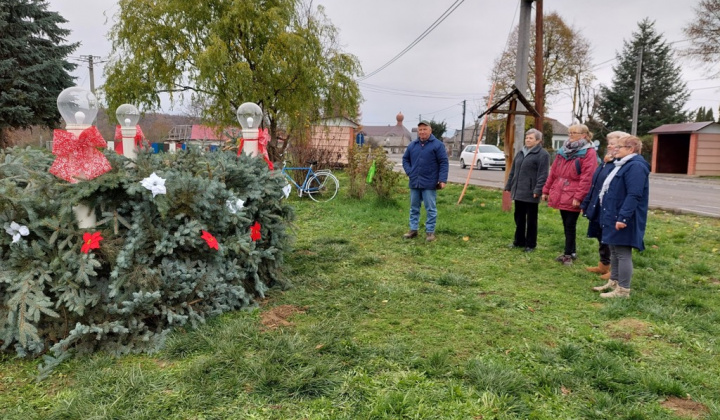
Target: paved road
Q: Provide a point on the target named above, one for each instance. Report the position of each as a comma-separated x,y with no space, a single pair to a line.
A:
674,193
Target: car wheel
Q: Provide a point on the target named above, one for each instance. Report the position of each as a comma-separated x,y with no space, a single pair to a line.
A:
480,165
462,164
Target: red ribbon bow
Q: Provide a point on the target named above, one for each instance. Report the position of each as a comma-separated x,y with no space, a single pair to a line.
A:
139,137
78,157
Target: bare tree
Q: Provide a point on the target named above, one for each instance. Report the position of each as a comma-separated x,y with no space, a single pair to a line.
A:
566,54
704,34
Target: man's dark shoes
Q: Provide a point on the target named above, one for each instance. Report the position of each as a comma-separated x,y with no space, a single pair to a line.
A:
528,249
410,235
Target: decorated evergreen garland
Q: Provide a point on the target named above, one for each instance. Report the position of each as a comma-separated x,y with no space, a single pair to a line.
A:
179,237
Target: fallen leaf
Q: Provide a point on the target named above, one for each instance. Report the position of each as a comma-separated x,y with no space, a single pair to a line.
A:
655,247
714,250
459,310
319,346
385,301
531,309
508,351
564,390
482,204
466,238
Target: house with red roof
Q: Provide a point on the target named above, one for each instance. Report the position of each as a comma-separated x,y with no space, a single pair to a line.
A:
203,136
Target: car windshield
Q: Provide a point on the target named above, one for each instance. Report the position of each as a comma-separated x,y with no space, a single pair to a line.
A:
488,148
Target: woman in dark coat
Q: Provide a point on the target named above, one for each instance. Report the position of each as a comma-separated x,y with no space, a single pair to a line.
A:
591,205
526,180
623,215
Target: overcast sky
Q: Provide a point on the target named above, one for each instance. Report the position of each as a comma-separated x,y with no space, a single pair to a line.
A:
453,62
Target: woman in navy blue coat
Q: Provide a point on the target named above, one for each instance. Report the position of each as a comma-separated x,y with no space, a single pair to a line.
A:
623,213
591,205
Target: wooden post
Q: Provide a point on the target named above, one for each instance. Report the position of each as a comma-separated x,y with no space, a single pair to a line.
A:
539,88
509,152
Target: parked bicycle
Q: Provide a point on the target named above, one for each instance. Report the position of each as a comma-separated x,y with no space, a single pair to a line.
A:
320,186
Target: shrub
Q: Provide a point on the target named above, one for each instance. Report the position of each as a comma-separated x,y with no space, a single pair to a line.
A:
153,271
359,161
386,179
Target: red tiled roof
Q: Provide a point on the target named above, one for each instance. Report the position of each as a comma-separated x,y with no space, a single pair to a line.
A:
203,132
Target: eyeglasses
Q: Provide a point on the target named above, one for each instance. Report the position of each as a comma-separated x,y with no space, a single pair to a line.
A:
575,132
626,147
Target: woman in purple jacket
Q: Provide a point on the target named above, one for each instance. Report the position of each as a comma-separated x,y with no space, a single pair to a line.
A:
569,182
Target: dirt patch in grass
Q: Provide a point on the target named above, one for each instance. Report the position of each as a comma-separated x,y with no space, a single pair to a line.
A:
714,281
685,407
278,316
306,252
628,328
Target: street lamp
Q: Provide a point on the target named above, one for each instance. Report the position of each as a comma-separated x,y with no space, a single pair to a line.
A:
249,116
79,107
128,117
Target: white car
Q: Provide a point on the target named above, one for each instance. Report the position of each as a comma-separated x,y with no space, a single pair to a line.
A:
488,156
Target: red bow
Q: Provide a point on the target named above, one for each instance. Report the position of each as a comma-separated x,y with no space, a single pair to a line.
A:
139,137
78,157
263,140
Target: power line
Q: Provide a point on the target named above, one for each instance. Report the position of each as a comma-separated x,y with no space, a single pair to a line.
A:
416,93
413,90
444,109
704,88
422,36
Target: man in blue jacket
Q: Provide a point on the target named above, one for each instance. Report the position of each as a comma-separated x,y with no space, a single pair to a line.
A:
426,164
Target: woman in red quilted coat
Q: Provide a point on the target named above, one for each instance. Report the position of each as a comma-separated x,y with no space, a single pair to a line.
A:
569,182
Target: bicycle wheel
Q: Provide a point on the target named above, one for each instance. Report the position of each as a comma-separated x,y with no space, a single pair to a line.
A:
322,186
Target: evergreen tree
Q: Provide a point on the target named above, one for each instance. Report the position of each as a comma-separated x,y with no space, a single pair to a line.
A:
709,115
662,92
438,129
33,66
700,114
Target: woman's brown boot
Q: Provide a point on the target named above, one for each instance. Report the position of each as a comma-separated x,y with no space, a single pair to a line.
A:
600,269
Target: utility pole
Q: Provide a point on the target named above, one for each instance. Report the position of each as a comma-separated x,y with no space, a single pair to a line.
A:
462,128
575,98
539,58
636,99
521,68
90,59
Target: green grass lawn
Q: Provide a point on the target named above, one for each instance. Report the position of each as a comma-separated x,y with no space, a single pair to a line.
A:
377,327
